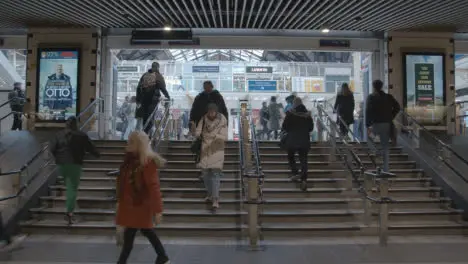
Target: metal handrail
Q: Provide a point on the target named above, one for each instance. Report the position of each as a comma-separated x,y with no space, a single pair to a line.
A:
7,102
370,141
434,137
159,131
155,110
34,158
90,106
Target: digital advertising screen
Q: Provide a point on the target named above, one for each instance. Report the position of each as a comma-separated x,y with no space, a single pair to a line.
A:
57,93
425,85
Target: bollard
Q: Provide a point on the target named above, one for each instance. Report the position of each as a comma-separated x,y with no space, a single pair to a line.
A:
252,195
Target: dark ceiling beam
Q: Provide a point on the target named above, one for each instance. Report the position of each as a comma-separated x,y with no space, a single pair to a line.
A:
339,10
157,6
312,11
228,14
350,16
221,14
252,5
212,11
137,12
259,12
278,5
241,25
202,3
235,13
288,17
175,14
383,11
322,12
195,8
278,17
190,22
265,14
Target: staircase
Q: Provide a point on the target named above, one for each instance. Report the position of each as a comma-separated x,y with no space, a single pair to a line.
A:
327,209
185,211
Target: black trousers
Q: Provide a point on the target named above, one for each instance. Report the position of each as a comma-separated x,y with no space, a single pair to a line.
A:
129,238
147,111
303,154
344,129
17,122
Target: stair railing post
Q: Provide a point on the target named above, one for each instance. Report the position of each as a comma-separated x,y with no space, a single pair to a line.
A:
333,143
383,213
253,212
416,136
367,203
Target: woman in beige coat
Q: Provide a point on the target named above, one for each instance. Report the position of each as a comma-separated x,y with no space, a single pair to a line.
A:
213,129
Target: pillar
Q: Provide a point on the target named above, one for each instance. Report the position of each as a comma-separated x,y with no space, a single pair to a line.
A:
87,40
399,43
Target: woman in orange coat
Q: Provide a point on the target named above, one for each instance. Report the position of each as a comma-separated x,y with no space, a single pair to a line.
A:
138,196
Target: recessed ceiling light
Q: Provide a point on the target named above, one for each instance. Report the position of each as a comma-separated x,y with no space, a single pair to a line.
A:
167,28
325,30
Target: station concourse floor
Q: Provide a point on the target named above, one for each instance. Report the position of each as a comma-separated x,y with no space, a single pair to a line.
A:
62,249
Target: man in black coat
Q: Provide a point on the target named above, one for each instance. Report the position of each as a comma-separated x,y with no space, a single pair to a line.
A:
203,99
298,124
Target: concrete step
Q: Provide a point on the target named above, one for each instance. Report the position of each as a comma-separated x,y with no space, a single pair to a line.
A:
166,229
340,215
167,181
269,204
168,156
340,192
339,173
232,165
355,228
225,193
170,215
100,172
110,203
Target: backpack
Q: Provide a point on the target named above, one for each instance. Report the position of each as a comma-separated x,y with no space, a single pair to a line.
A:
76,145
148,80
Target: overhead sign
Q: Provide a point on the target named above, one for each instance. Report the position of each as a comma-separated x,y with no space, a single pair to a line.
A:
255,69
335,43
205,68
262,85
127,68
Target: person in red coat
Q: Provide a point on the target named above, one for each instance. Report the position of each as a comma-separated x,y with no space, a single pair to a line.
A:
139,197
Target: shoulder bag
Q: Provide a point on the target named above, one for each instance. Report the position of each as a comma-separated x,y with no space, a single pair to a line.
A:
196,146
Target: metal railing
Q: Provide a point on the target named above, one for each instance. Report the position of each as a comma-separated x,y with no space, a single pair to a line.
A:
24,177
152,117
419,137
160,131
351,160
90,113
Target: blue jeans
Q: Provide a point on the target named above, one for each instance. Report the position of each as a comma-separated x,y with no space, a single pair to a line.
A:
212,178
383,131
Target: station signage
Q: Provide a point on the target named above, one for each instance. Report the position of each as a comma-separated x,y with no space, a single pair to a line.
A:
255,69
335,43
127,68
204,69
262,85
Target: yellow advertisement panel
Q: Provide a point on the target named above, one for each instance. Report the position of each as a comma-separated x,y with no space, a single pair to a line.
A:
314,86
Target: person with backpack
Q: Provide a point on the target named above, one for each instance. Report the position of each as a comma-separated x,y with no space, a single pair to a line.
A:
69,147
381,109
202,100
148,94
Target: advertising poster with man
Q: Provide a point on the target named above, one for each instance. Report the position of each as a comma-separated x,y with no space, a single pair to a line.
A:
58,84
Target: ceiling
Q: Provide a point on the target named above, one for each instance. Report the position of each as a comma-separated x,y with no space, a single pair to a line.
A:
357,15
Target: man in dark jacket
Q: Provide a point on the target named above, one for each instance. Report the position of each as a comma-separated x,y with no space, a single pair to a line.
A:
298,124
203,99
381,109
69,148
17,100
148,94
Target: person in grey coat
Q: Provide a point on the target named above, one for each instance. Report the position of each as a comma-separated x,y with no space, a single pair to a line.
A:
275,116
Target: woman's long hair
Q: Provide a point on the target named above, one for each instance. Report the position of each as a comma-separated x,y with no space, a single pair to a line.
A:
345,90
144,150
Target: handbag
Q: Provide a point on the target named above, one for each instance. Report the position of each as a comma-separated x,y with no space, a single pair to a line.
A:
139,112
196,146
283,138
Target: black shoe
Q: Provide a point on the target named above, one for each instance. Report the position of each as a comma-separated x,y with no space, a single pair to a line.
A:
303,186
70,219
163,260
295,178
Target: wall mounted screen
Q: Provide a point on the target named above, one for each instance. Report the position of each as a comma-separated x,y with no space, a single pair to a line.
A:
58,86
424,80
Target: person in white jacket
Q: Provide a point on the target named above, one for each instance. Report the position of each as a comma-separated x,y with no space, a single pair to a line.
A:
213,128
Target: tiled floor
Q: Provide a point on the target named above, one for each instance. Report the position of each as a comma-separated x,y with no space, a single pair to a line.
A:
77,250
